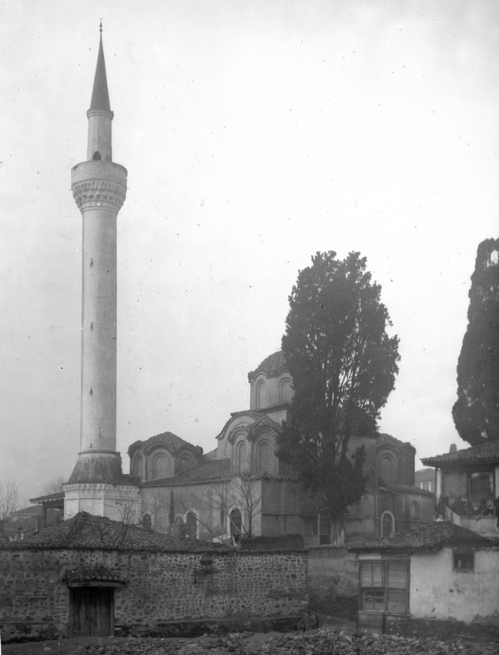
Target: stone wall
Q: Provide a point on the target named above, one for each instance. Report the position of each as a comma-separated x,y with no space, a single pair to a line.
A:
161,587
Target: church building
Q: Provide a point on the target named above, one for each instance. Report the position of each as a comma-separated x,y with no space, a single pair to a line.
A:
242,488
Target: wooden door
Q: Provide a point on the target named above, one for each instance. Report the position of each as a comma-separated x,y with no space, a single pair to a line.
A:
91,612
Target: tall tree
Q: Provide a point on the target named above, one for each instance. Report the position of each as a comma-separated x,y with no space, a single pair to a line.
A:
476,411
343,365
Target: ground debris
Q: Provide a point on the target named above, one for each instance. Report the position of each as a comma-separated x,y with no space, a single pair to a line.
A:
328,640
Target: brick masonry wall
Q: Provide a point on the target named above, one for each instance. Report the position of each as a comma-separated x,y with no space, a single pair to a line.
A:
162,587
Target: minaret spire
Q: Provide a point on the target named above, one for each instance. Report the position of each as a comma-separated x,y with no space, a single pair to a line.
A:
100,115
100,93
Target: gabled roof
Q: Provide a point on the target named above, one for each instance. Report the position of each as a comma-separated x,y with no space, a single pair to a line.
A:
97,532
210,470
487,452
429,537
272,366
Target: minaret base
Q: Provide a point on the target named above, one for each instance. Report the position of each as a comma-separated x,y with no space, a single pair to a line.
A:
119,502
103,466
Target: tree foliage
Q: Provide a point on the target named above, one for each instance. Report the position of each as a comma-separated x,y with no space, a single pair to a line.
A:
476,411
343,365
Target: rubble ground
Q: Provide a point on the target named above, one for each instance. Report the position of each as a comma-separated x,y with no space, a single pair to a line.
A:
328,640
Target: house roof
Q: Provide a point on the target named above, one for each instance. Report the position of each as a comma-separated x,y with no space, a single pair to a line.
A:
209,470
33,510
403,488
487,452
59,495
272,366
428,537
97,532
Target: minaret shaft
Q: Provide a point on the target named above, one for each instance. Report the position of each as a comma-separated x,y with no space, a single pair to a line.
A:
98,332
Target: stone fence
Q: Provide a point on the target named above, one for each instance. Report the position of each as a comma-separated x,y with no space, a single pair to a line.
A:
149,588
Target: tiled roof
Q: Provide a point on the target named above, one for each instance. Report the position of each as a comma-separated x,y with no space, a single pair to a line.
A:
432,536
94,574
487,452
272,366
167,439
403,488
214,469
59,495
33,510
97,532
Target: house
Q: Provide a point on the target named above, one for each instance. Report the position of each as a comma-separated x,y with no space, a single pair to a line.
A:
437,571
241,487
29,520
425,479
467,487
94,576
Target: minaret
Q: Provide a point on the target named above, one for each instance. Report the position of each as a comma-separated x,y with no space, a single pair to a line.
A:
99,190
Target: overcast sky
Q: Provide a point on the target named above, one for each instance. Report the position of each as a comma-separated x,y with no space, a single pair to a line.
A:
254,134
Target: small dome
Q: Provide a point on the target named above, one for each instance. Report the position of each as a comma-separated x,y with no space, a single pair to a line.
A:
272,366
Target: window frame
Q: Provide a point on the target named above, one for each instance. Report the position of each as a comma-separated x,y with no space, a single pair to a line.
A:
382,589
463,554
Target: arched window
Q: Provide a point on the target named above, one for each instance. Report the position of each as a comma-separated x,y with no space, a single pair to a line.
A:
185,463
236,525
285,391
260,394
387,524
138,467
160,466
388,468
415,510
264,458
192,525
147,522
405,477
96,156
241,456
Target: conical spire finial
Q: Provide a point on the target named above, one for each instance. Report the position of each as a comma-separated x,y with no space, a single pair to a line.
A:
100,94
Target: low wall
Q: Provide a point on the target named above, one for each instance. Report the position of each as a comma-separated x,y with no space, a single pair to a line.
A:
333,575
159,587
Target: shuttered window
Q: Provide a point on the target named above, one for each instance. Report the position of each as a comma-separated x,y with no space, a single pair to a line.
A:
385,585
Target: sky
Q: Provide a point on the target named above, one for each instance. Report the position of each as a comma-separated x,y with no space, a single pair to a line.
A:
255,133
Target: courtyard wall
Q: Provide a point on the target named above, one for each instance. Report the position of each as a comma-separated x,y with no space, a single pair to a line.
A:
153,587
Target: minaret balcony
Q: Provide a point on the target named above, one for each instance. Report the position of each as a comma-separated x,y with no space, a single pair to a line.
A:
99,185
